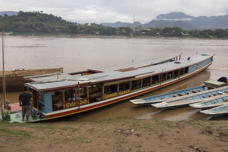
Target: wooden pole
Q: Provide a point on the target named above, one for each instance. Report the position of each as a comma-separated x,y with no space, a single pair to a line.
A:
3,76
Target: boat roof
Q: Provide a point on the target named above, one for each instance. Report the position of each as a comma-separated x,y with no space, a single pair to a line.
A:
52,82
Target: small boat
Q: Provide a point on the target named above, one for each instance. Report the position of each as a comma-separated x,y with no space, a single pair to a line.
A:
61,95
15,79
210,84
217,111
162,97
211,102
190,99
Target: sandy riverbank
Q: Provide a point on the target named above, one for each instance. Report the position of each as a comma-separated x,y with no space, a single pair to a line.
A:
116,135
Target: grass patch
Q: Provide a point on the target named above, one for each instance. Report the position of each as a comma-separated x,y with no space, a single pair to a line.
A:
9,132
41,126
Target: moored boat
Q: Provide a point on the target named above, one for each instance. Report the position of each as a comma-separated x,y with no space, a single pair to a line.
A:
162,97
15,79
217,111
211,102
67,94
209,84
190,99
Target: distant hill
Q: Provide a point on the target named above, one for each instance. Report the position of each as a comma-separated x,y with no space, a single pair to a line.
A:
182,20
39,22
188,22
170,25
175,16
118,24
122,24
167,23
35,22
9,13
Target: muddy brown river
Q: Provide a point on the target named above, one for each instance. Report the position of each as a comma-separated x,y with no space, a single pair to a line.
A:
77,53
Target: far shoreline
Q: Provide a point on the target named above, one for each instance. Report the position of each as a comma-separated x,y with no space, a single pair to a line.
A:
108,36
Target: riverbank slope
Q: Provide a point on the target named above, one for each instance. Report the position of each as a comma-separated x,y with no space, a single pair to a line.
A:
116,135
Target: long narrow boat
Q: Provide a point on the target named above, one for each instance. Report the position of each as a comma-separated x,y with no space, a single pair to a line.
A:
65,94
209,84
212,102
190,99
217,111
162,97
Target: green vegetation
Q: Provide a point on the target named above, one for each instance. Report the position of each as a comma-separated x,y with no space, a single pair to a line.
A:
38,22
41,23
10,132
178,32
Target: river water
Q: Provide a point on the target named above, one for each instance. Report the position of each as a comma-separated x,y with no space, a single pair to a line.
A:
79,53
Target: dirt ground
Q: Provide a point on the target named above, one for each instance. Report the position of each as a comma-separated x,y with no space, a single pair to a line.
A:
116,135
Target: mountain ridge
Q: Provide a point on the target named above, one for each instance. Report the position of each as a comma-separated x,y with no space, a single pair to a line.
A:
9,13
182,20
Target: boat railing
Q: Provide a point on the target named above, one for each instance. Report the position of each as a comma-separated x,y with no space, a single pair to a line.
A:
111,95
70,104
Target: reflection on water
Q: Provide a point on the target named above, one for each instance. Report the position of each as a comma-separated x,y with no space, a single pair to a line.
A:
73,54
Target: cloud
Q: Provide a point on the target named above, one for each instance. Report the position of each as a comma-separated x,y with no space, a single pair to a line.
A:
117,10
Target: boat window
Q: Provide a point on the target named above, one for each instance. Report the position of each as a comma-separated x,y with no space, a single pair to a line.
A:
70,95
136,84
176,73
75,97
146,82
57,100
163,76
181,71
169,75
80,93
110,89
124,86
155,79
95,92
94,89
186,70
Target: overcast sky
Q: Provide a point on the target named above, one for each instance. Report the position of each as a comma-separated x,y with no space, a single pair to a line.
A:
116,10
